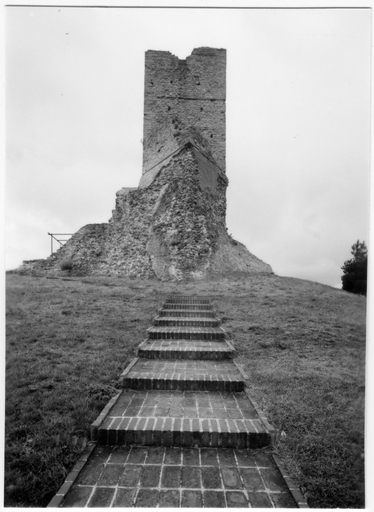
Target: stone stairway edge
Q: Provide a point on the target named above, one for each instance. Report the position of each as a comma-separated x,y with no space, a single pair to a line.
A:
70,479
292,487
104,413
241,371
270,428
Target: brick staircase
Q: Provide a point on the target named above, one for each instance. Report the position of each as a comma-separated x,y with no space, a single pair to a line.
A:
196,399
183,399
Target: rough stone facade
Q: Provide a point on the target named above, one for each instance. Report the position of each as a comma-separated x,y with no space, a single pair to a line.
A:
179,95
173,225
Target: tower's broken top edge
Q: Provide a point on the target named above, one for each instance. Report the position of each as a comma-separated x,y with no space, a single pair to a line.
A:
203,50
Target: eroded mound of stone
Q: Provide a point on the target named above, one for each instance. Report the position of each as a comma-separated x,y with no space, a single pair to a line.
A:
174,228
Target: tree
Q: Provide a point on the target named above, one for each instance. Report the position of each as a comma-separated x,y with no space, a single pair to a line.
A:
354,276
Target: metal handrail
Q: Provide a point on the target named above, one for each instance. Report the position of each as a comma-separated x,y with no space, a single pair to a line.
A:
53,237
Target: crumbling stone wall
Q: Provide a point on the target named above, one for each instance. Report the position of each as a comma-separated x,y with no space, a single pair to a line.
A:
173,226
184,93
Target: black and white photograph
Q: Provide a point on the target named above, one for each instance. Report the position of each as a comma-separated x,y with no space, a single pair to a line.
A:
187,191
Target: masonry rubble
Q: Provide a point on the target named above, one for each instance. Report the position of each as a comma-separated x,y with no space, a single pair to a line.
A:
173,226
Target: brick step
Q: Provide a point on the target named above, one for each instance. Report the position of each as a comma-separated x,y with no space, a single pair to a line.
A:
193,307
185,349
162,476
178,418
183,375
186,333
207,313
170,321
188,299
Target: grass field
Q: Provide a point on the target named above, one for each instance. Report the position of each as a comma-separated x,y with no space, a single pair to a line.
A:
301,343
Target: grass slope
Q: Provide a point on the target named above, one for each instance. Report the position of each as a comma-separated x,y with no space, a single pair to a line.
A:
301,343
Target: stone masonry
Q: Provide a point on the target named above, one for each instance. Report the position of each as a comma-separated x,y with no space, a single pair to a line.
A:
182,96
173,226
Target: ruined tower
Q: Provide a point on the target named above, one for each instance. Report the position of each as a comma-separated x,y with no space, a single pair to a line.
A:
173,225
184,98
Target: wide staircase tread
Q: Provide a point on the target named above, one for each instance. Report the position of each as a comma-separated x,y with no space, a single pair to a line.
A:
186,349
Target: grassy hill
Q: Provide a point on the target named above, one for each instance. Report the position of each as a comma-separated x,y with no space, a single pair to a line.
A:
301,343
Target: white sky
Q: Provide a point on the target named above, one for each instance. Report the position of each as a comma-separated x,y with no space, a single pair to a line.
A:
298,124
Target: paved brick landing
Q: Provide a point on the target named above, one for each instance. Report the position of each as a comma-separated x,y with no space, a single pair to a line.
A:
183,419
185,349
184,404
143,476
184,375
183,432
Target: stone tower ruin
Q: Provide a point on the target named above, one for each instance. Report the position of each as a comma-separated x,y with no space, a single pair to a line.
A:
184,98
173,226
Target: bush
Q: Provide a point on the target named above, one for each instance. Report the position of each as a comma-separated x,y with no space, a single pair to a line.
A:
354,276
66,264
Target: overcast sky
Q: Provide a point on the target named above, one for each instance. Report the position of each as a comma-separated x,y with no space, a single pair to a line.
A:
298,124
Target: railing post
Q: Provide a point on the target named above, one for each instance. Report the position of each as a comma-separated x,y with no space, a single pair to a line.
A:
59,241
51,243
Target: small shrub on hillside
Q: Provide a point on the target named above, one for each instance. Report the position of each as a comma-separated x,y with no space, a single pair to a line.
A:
66,264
